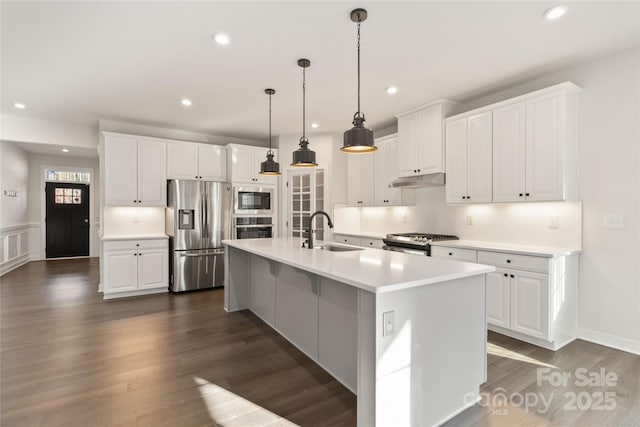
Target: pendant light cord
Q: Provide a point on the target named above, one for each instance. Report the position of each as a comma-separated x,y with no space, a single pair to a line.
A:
304,103
270,151
359,112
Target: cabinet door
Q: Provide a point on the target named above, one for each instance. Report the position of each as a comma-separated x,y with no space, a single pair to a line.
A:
182,161
212,163
262,288
120,271
153,269
430,153
242,165
152,173
544,148
338,330
498,298
121,171
408,138
360,179
479,158
386,169
509,153
530,303
297,308
456,181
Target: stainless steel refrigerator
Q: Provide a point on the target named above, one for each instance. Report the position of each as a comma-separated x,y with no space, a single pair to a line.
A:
198,219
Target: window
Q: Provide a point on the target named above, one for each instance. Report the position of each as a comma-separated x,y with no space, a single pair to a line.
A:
64,176
68,196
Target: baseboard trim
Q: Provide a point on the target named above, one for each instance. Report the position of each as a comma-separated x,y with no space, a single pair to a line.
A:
608,340
14,263
115,295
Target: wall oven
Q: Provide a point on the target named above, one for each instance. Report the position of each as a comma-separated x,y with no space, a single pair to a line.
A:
253,201
253,227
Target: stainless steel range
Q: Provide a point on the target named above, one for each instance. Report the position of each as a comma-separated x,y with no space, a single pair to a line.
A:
414,243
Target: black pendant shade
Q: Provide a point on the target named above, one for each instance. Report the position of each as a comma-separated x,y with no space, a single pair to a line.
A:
358,139
269,166
303,157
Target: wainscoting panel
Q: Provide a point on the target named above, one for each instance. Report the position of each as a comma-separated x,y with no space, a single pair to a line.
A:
14,242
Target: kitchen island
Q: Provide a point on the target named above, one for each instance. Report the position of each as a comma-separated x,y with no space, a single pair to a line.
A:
406,333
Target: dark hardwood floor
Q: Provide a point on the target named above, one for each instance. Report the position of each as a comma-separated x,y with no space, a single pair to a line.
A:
68,358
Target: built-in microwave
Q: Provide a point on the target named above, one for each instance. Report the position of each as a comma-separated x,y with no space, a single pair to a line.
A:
253,201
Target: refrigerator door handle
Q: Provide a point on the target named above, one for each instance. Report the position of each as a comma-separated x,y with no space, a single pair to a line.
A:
203,253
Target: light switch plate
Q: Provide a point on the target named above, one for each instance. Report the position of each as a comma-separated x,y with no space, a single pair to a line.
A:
613,221
554,221
388,323
469,220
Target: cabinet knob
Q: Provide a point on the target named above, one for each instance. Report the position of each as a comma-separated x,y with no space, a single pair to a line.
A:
468,197
508,261
520,194
506,275
527,194
137,244
135,254
512,276
463,197
450,253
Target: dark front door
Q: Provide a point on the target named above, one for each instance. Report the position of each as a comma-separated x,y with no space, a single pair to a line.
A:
67,219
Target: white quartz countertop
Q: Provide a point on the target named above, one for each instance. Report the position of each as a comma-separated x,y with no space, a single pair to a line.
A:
544,251
373,270
133,236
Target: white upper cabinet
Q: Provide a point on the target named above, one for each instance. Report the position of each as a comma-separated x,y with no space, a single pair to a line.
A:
196,161
135,171
369,176
535,147
421,139
360,177
244,164
468,149
509,153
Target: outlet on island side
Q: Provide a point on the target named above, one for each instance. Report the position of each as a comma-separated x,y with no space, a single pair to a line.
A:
388,324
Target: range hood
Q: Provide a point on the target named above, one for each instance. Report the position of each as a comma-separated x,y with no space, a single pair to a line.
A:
420,181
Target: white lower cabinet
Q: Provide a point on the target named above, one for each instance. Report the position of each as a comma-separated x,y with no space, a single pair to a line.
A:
297,308
338,330
498,298
262,288
135,267
316,314
529,303
365,242
458,254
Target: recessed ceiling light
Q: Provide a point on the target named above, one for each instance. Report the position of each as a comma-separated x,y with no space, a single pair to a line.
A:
555,12
65,150
222,38
19,105
186,102
391,90
314,125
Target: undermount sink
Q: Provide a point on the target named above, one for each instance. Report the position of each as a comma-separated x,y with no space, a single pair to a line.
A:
332,248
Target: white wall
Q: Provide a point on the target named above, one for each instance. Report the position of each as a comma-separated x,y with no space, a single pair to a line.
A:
14,175
14,216
24,129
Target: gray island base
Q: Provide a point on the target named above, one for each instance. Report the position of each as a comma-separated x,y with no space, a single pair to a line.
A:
406,334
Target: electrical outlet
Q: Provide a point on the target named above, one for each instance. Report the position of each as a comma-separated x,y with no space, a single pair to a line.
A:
404,218
469,220
613,221
136,220
388,324
554,221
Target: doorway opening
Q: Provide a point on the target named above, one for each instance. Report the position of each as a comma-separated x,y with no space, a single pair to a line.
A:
67,225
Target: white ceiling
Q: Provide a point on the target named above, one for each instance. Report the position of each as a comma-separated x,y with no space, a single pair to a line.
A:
133,61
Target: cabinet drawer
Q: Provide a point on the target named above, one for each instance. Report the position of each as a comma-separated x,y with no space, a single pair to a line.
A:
349,240
520,262
468,255
127,245
372,243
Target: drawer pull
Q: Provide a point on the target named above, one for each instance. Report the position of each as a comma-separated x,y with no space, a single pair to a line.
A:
450,253
512,276
508,261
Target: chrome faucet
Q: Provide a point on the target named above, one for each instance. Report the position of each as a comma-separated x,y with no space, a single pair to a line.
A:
310,241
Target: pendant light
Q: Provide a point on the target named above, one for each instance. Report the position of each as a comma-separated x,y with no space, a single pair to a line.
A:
303,157
269,167
358,139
